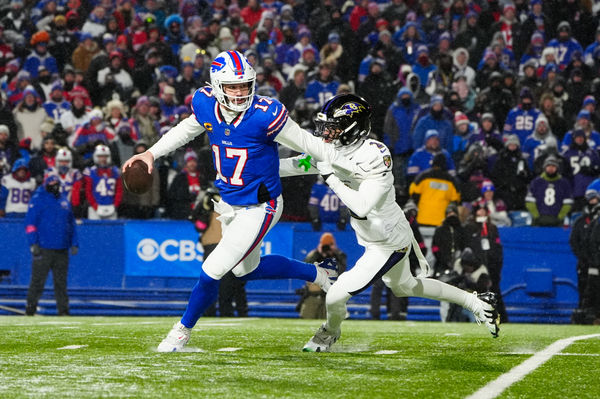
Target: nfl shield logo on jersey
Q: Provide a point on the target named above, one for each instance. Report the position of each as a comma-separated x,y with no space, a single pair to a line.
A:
227,132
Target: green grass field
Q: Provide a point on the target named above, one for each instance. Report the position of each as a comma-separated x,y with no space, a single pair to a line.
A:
262,358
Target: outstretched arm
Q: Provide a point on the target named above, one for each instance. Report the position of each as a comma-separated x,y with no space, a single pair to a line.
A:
183,133
298,139
298,165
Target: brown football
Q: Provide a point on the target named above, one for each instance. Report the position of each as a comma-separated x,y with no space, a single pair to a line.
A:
136,178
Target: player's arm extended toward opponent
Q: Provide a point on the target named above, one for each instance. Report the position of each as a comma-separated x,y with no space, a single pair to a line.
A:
298,139
183,133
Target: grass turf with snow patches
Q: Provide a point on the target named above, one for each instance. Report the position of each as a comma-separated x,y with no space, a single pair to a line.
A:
80,357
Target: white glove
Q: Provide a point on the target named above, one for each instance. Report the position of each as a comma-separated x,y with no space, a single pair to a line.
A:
225,211
105,211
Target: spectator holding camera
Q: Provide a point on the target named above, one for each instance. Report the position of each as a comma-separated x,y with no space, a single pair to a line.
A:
448,240
312,300
468,273
483,238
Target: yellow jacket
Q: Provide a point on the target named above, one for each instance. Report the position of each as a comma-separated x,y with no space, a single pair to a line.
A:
435,189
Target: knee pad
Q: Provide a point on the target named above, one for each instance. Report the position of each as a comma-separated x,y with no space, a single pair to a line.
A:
404,287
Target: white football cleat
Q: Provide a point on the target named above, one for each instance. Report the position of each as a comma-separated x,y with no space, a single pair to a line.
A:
485,312
321,341
177,338
327,273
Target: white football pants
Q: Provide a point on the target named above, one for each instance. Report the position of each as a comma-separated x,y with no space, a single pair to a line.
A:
243,229
394,268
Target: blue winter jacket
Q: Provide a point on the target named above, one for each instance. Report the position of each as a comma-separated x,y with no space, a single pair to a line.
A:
50,222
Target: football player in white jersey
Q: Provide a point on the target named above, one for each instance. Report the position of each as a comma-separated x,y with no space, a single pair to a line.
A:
243,130
378,221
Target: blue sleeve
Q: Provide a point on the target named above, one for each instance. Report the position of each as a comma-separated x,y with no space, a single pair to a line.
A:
277,116
509,123
31,221
419,134
3,196
566,140
312,91
31,65
51,65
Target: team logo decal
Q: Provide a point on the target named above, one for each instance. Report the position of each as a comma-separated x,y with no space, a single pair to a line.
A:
227,132
208,126
349,109
217,64
387,161
269,209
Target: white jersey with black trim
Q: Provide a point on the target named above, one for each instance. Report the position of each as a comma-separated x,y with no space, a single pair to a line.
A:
376,217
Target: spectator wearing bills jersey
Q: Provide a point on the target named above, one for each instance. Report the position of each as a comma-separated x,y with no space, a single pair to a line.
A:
325,206
103,187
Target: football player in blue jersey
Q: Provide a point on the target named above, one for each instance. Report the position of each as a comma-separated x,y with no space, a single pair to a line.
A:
244,130
378,221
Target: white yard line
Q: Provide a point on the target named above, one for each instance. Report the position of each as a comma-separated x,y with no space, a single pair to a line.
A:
517,373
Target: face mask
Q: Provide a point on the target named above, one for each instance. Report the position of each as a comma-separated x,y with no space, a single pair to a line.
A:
481,219
45,79
405,101
437,114
453,220
526,106
53,189
63,169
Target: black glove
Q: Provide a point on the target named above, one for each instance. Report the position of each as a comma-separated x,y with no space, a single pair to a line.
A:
35,250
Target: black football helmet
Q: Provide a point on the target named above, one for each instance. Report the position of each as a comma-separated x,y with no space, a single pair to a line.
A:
343,119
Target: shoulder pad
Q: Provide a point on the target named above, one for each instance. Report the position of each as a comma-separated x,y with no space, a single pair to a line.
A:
376,155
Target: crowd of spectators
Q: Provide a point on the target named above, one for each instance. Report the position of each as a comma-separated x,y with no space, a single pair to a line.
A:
497,96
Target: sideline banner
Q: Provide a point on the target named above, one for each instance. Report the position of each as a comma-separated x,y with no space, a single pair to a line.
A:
171,248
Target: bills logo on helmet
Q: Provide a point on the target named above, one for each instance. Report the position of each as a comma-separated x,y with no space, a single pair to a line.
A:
349,109
217,64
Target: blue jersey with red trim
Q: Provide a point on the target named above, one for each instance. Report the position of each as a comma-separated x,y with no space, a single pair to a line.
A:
103,183
244,152
329,204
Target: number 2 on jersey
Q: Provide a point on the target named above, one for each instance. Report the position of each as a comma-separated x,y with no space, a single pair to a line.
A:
241,154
